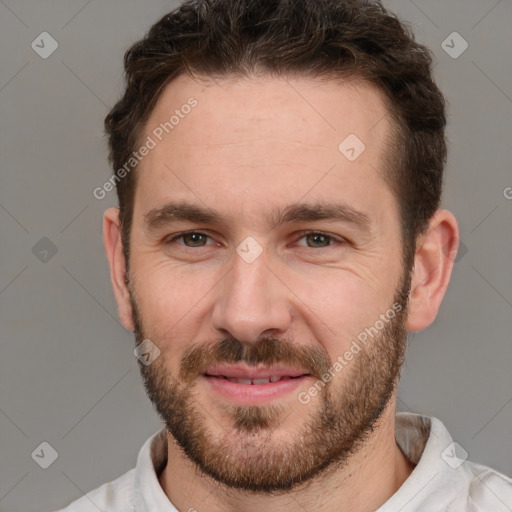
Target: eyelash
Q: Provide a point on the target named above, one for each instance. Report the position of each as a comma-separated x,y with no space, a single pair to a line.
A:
302,234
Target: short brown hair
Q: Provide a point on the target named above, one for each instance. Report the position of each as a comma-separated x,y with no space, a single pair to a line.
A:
331,39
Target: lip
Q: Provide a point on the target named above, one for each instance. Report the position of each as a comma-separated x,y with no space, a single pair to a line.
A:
216,378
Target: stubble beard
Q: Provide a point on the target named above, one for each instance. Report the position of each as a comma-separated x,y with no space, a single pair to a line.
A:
253,455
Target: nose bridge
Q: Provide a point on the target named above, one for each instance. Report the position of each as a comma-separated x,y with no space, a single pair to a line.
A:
251,300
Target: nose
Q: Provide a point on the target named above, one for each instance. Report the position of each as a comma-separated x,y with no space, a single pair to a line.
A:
251,302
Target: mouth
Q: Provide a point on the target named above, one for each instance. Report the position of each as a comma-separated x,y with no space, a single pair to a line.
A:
252,386
254,382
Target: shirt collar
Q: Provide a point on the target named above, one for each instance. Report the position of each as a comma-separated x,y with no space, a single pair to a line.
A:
148,493
423,440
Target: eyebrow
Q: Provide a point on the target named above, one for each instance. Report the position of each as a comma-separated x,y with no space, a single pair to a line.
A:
295,213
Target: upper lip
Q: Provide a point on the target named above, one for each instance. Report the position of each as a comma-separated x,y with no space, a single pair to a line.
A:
249,372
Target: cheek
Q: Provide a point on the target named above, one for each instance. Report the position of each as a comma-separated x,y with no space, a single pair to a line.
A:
340,305
171,299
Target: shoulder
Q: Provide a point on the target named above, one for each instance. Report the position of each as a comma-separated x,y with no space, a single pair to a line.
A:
444,479
487,489
114,496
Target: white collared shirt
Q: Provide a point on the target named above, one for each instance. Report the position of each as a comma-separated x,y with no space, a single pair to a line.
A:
441,481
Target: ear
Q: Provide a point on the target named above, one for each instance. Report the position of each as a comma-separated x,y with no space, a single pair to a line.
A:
116,260
433,264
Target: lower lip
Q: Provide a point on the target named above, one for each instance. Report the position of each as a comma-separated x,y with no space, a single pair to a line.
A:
253,394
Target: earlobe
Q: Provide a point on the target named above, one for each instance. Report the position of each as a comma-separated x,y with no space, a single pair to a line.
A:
433,264
114,250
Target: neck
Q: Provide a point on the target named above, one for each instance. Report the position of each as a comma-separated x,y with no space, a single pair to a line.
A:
368,479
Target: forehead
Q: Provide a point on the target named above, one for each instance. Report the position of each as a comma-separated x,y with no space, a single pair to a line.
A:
302,110
264,138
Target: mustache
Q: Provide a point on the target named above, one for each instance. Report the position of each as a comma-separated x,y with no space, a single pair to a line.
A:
267,351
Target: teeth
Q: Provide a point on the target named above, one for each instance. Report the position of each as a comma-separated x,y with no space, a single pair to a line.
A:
260,381
240,381
256,381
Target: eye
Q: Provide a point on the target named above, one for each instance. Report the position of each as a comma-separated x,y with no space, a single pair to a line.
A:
197,239
191,239
317,239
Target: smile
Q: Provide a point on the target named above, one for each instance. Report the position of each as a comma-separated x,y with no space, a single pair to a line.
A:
254,382
251,385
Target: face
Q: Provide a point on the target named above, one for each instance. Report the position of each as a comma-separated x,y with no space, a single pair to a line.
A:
265,266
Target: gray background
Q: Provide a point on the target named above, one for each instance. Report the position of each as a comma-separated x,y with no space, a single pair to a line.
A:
67,371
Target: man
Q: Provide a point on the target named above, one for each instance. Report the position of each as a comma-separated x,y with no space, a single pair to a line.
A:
279,168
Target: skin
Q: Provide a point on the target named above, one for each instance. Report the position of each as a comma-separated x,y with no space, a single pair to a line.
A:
250,146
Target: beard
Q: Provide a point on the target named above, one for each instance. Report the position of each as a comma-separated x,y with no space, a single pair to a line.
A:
251,454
